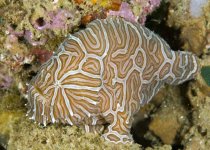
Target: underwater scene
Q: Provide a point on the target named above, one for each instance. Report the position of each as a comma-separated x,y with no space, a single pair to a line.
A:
104,74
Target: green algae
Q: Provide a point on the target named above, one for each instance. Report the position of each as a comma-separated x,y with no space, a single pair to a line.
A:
27,135
205,72
164,147
1,20
11,109
11,101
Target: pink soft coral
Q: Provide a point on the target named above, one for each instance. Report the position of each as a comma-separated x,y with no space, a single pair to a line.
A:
145,7
54,20
125,12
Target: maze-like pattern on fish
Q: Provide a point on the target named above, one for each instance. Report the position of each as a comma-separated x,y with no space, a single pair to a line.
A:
102,74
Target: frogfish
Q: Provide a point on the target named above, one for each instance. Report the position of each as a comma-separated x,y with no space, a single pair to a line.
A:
101,75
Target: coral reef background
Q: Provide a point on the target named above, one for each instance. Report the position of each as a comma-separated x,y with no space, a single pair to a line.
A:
30,31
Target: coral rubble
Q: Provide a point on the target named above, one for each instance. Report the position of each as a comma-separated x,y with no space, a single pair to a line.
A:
194,30
26,135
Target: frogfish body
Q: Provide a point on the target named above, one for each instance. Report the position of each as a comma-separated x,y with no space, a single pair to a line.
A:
102,74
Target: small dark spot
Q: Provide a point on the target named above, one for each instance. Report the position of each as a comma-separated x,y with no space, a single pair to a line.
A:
208,53
40,21
202,131
79,8
21,39
193,92
32,74
14,26
26,66
44,141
